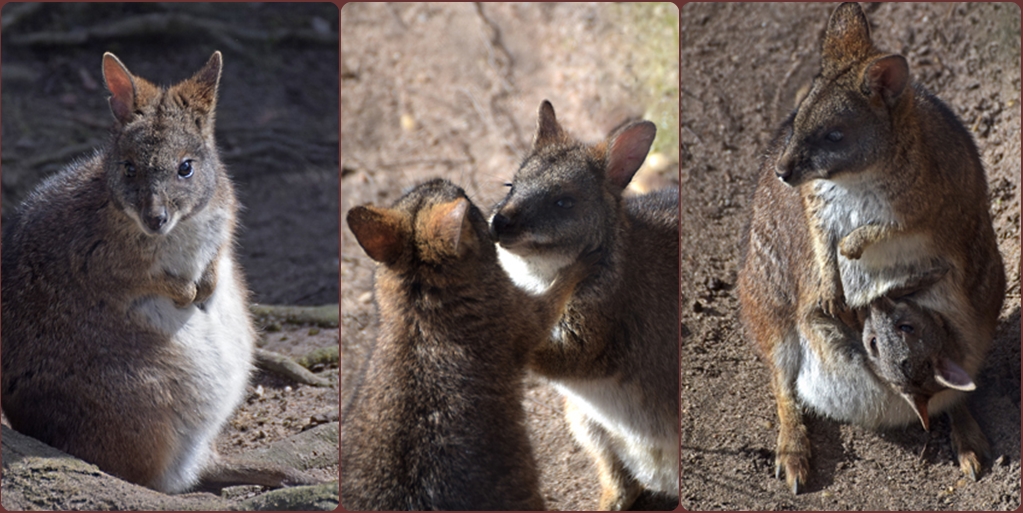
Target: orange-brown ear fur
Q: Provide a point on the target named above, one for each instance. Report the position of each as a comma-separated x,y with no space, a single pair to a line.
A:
448,228
121,85
381,232
627,149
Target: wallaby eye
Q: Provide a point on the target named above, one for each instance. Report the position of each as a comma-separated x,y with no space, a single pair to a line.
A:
185,169
873,346
906,328
565,203
129,169
835,136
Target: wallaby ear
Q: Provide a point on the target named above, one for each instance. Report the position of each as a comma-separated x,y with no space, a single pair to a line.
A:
204,84
121,85
886,76
448,227
548,131
627,149
947,373
918,282
848,35
380,232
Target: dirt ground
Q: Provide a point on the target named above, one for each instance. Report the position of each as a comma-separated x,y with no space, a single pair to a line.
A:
451,90
741,66
277,131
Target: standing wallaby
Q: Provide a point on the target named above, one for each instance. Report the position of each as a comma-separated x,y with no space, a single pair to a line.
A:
872,180
911,349
437,421
126,335
614,352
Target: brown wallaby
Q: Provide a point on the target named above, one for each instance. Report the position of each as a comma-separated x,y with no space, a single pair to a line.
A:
872,180
126,335
614,352
911,349
437,421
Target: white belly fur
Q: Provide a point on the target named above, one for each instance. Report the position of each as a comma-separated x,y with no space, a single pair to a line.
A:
218,343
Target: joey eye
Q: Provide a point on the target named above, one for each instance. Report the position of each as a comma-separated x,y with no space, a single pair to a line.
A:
129,169
565,203
906,328
835,136
185,169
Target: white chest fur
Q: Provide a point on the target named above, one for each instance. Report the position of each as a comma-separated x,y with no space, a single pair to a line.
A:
849,203
533,274
217,342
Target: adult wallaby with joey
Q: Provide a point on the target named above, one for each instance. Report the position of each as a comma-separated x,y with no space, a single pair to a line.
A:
127,339
870,182
614,352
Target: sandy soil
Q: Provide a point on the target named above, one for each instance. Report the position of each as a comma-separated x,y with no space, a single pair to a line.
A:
742,65
277,130
451,90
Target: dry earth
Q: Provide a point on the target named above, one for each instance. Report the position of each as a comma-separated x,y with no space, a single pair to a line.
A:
451,90
741,66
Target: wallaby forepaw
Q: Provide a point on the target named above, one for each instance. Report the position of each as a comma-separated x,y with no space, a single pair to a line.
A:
850,247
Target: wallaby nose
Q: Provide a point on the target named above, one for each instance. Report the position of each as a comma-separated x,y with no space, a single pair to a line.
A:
155,219
499,225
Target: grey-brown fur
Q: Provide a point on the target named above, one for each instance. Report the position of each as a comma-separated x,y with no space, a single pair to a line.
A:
437,420
614,353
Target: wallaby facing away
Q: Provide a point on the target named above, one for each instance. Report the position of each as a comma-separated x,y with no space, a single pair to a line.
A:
126,335
614,353
871,181
437,421
911,349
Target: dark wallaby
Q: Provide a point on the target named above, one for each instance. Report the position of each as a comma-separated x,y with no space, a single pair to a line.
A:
871,180
126,335
911,349
437,421
614,352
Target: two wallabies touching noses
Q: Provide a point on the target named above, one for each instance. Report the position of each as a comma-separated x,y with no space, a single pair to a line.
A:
127,338
872,280
586,283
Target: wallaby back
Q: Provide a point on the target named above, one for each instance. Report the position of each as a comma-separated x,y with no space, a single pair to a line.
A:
126,334
614,353
437,420
871,181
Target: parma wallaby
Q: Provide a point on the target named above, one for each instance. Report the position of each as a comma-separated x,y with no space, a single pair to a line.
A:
437,421
870,181
126,335
614,352
911,349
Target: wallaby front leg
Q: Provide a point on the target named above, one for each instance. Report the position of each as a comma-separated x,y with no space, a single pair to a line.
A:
207,282
852,246
830,293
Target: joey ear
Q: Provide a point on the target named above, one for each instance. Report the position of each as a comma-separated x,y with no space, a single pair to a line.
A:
121,85
448,227
947,373
202,92
380,232
627,150
548,131
887,76
848,35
